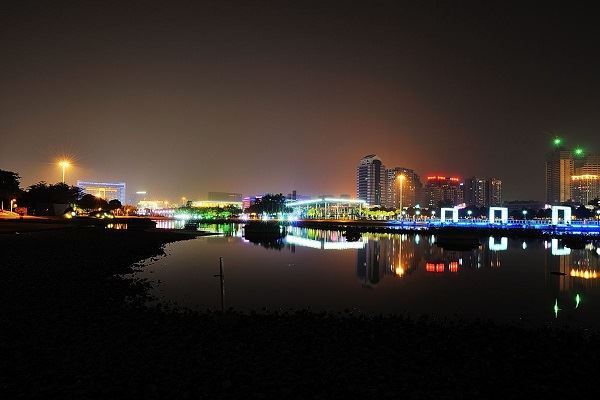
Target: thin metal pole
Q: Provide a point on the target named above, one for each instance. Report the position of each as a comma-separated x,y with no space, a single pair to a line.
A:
222,276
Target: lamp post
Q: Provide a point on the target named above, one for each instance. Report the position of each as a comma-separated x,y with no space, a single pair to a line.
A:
13,203
64,164
433,214
469,213
525,215
598,216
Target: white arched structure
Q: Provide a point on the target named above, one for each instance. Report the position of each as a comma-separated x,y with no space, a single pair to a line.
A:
494,246
566,214
454,211
565,251
503,214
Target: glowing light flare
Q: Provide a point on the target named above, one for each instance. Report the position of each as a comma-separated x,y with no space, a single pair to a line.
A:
578,151
557,141
556,309
583,273
64,164
399,271
577,300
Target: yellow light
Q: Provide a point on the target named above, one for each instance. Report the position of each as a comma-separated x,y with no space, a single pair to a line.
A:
64,164
399,271
585,274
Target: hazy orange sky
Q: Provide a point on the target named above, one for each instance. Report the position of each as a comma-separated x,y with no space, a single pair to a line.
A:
183,98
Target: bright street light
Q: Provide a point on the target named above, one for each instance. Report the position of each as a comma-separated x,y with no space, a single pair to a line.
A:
525,214
13,203
64,164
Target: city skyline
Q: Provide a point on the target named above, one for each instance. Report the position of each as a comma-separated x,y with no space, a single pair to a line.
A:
182,100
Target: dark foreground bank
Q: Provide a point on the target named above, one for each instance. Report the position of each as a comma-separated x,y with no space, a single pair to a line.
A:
74,327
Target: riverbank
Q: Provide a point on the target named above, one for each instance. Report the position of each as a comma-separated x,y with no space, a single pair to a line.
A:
75,325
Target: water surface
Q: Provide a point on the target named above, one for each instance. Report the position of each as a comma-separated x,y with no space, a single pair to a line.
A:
502,279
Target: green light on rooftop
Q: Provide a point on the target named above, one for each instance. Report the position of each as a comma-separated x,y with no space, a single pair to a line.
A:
578,151
557,141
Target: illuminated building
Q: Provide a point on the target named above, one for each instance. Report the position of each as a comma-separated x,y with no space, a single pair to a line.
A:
569,174
249,201
105,190
483,192
370,179
327,208
560,166
151,207
440,189
585,188
494,192
411,187
216,204
223,196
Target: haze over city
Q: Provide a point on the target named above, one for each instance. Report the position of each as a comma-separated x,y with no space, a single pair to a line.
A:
188,98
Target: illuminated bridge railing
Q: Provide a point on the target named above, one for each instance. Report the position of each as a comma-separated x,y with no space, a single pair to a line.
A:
586,227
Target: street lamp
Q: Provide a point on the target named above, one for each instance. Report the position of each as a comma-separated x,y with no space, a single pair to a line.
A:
525,214
64,164
469,212
13,203
432,214
598,216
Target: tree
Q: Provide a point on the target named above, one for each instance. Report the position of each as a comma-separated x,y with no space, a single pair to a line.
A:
91,202
114,204
269,204
41,196
582,213
9,185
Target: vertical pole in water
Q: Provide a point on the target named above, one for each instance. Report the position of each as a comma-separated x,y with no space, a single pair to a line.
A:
222,284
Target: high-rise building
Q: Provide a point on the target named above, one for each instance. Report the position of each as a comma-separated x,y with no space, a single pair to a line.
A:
483,192
475,192
585,188
560,166
571,176
395,196
494,192
370,179
105,190
440,189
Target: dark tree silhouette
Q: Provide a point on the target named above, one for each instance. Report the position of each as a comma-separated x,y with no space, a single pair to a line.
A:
114,204
270,204
9,186
91,202
40,197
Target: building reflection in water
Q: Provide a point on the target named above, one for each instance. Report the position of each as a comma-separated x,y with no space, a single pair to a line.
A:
576,269
401,255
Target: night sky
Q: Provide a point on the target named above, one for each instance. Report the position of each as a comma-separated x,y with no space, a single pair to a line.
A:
182,98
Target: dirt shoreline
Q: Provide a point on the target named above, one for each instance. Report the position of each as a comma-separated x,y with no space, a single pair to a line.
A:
74,326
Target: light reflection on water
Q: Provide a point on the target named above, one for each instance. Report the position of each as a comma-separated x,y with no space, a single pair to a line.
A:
500,278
